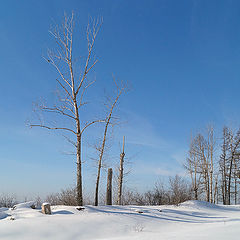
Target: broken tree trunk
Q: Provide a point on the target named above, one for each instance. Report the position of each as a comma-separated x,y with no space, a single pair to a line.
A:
120,177
109,188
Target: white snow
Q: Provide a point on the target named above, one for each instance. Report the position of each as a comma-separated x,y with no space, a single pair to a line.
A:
45,203
191,220
24,205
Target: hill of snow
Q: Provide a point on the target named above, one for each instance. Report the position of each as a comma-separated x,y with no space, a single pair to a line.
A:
191,220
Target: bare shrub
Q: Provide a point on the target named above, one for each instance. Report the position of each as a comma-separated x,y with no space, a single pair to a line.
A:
7,201
38,202
177,190
180,190
67,196
159,195
132,197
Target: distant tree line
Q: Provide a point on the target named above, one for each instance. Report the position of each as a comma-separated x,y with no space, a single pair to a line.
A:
172,192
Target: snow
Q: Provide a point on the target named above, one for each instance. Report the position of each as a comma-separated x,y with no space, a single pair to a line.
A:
193,220
44,204
24,205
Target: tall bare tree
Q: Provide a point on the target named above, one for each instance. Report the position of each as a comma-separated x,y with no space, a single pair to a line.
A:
223,165
73,84
111,105
210,155
192,165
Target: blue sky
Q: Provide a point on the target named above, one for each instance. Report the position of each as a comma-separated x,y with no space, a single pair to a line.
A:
182,59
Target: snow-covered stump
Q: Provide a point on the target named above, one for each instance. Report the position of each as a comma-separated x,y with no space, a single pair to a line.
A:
109,188
46,208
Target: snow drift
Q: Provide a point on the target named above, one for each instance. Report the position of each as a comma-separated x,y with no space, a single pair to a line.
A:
191,220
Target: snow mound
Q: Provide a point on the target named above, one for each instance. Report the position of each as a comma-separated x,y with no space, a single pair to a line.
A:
198,204
24,205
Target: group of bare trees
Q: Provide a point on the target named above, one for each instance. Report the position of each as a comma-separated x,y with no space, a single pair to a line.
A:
229,165
200,165
213,165
73,82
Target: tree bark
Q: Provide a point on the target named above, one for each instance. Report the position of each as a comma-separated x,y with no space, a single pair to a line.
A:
109,188
79,174
100,161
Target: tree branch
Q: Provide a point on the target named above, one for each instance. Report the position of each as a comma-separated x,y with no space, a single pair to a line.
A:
56,110
91,123
52,128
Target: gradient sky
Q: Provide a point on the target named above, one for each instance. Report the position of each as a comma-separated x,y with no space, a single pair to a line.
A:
182,59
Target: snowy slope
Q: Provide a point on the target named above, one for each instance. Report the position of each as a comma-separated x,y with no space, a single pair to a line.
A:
191,220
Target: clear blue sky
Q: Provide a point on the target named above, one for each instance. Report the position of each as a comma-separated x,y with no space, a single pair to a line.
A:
181,57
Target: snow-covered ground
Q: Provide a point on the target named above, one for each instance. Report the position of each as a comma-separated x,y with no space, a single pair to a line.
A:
191,220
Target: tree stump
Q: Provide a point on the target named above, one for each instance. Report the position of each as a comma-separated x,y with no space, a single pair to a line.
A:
46,209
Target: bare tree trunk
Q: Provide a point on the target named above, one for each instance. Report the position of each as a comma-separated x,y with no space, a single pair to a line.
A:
207,182
203,147
109,188
120,178
215,191
211,186
211,172
79,174
195,179
101,157
224,182
79,143
97,184
206,179
229,182
207,188
223,167
235,192
100,164
224,187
